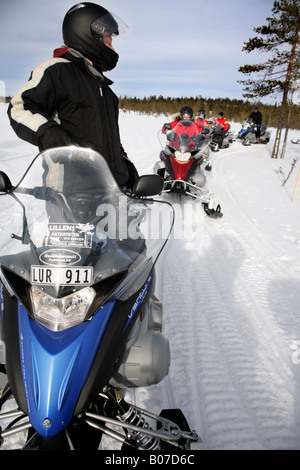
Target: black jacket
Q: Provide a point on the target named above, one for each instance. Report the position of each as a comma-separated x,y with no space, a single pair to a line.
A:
64,103
256,117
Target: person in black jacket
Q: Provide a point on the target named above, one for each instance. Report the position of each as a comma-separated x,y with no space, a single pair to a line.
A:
68,100
256,118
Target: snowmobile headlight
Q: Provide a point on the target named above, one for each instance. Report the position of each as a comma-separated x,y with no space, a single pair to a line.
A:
182,156
60,314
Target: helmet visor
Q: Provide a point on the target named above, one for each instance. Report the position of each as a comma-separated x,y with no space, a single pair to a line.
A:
108,24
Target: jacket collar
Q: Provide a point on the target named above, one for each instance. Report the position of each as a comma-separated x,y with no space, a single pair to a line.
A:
78,59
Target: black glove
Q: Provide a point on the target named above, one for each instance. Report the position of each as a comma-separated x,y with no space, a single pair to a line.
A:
167,127
54,136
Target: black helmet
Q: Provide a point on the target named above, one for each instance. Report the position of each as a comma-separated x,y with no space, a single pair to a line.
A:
186,110
83,29
201,111
221,114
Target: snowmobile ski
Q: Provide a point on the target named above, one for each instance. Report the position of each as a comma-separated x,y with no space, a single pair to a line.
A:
213,213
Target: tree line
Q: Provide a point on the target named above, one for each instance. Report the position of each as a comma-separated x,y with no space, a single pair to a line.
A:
235,110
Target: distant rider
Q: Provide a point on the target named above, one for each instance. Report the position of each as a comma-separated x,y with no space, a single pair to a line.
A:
256,118
185,114
200,119
224,126
220,119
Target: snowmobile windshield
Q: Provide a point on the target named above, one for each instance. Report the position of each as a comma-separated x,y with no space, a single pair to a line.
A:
185,137
66,225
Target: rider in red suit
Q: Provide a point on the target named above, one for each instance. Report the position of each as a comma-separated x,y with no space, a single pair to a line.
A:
185,114
223,121
223,125
200,119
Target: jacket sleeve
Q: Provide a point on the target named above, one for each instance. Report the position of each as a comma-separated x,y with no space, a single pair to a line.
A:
32,110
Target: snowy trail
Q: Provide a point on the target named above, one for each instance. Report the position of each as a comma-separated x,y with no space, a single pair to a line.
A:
230,293
220,357
225,307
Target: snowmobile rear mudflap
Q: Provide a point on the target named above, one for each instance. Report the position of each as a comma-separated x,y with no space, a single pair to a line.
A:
176,416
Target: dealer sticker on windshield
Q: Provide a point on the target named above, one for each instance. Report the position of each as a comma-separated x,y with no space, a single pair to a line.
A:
61,275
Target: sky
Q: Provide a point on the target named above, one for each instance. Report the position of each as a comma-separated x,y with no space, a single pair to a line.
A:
171,48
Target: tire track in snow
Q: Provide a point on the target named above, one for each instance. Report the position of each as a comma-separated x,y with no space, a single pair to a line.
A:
232,398
262,269
209,399
189,335
276,377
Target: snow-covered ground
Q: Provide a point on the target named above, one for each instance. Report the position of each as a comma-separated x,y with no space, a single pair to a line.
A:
230,289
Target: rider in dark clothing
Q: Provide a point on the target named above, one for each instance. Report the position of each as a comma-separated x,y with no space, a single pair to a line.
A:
68,100
256,118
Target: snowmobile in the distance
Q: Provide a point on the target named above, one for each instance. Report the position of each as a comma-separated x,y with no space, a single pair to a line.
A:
80,320
217,139
181,161
247,134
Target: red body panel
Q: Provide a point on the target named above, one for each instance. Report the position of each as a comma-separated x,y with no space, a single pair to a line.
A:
180,169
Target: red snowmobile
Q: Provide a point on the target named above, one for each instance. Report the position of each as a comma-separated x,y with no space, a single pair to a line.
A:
180,164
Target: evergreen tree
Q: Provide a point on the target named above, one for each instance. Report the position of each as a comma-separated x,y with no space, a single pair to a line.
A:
280,39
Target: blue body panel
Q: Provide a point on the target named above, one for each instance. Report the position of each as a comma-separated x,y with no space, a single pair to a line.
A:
244,132
140,299
55,366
